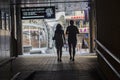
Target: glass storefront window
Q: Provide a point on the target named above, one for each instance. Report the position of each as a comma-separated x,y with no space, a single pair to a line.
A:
3,20
4,34
0,20
7,22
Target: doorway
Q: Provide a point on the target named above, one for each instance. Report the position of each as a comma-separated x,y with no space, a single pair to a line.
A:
38,33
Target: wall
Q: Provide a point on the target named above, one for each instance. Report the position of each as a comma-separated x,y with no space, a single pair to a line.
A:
4,32
108,30
4,44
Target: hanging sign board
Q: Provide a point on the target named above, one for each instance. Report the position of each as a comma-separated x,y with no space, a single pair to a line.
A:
46,12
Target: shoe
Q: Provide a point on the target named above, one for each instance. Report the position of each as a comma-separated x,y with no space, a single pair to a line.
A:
73,59
60,60
70,58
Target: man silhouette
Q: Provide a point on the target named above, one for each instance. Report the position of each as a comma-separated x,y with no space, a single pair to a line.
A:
72,32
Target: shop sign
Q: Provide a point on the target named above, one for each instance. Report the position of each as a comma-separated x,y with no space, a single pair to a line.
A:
84,30
77,17
46,12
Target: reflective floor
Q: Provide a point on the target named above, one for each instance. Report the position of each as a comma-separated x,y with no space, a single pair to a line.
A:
46,67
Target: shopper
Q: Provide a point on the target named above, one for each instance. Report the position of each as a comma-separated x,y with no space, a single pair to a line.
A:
72,32
59,38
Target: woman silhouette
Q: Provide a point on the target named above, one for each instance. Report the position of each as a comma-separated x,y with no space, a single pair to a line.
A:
59,38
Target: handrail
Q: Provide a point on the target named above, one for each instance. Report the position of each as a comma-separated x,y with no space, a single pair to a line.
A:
113,56
15,76
6,61
115,71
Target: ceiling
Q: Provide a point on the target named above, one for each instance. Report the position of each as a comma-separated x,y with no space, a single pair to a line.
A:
60,4
41,1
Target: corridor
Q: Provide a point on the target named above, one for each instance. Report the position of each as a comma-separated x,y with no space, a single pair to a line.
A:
46,67
28,25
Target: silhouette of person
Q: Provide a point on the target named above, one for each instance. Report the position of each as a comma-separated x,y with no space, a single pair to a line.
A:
59,38
72,32
84,44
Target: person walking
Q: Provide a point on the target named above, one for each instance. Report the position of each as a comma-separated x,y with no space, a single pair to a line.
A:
59,38
72,32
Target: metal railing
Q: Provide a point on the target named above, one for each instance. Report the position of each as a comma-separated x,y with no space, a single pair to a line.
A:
108,63
6,61
15,76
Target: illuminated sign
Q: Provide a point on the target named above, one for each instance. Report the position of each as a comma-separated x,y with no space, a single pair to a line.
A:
84,30
76,15
46,12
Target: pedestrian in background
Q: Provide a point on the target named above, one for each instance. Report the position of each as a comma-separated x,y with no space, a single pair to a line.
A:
84,44
59,38
72,32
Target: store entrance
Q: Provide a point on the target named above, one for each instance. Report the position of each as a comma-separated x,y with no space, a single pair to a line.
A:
38,33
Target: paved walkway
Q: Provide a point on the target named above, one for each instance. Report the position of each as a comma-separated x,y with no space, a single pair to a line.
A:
46,67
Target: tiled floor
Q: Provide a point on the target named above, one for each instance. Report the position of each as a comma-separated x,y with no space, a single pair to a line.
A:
46,67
